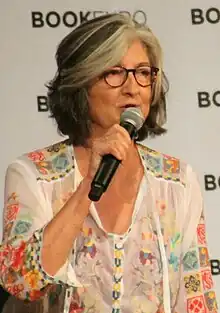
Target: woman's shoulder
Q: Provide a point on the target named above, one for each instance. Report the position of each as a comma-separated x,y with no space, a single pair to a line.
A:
48,163
163,165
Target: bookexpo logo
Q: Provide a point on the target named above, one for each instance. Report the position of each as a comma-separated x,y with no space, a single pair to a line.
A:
71,19
211,182
42,104
215,267
208,99
201,16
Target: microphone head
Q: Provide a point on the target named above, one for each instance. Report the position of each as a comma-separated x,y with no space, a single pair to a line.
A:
134,116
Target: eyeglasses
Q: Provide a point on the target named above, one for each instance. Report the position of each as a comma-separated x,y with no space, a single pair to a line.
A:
144,75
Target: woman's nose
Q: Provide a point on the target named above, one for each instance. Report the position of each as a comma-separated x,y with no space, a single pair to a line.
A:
131,85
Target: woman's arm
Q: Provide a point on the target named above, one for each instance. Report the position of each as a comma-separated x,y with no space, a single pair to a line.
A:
63,229
196,284
35,247
197,288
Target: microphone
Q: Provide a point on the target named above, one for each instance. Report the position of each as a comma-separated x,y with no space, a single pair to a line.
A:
132,120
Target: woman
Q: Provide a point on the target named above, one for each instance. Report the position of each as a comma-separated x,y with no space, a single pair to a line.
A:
141,247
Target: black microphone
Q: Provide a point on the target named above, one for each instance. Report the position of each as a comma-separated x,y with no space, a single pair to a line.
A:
132,120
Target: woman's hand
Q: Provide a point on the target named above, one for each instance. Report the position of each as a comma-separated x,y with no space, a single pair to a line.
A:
115,141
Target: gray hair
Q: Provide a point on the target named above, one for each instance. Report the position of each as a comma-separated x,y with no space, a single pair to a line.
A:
90,49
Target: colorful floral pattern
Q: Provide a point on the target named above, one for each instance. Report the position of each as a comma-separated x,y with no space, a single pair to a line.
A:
53,162
19,278
198,278
111,269
162,165
89,247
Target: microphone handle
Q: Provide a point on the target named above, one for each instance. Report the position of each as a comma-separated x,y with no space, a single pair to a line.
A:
107,169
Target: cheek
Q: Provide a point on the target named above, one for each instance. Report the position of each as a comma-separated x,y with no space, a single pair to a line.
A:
102,103
102,95
146,99
146,111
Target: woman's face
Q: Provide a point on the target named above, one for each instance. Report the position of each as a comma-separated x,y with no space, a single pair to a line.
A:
107,103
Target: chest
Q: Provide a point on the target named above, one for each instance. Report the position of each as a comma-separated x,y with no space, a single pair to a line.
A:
117,207
112,263
116,217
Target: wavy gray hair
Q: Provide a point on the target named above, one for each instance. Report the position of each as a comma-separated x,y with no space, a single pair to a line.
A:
84,54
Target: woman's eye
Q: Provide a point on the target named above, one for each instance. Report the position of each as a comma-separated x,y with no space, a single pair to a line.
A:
114,72
145,72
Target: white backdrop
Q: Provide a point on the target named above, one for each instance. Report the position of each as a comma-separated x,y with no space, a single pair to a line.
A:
191,58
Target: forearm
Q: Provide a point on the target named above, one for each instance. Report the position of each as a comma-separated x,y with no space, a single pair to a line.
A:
63,229
27,233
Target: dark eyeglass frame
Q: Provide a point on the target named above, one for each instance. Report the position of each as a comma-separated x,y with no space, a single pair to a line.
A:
153,72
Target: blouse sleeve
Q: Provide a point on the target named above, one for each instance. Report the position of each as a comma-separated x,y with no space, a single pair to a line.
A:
196,294
26,213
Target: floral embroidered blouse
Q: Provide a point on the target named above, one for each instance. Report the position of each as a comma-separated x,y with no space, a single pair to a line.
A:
161,261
